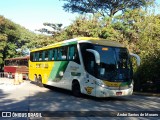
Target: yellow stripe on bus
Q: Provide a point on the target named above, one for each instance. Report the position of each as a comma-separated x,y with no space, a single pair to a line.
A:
112,84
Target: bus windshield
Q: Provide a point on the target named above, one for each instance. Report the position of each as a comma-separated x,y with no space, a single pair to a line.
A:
114,64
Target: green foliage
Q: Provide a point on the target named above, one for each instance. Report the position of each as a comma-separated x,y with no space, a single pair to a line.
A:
15,40
147,75
8,39
84,26
104,7
138,30
56,29
13,36
40,41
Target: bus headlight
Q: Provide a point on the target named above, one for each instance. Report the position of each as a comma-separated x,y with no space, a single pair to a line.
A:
99,83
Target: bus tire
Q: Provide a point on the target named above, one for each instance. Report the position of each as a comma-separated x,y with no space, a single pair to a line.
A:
26,77
76,89
40,84
35,78
10,76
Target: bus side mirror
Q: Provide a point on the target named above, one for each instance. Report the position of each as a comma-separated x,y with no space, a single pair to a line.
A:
137,58
96,55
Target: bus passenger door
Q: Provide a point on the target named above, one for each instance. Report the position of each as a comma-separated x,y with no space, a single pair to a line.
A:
90,71
89,85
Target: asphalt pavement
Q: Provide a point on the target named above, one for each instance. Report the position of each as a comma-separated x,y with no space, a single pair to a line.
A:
56,103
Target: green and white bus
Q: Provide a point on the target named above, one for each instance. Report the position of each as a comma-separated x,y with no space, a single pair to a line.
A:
86,65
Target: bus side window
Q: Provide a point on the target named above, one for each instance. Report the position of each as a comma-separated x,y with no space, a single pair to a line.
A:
59,54
71,55
16,62
10,63
46,55
32,57
40,55
50,54
21,62
36,56
54,54
62,53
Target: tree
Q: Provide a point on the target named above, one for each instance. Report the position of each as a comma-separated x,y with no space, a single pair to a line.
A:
56,29
8,39
14,40
84,26
104,7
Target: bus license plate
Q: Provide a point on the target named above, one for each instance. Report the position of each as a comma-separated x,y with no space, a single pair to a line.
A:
118,93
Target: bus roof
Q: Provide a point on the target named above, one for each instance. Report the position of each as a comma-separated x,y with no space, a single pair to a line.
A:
18,58
99,41
93,40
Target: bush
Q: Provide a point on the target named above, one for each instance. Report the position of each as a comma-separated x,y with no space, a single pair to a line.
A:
147,76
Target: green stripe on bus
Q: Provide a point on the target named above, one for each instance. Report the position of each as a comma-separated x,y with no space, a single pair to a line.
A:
70,43
58,66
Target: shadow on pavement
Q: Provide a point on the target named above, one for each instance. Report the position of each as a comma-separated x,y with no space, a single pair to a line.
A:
58,102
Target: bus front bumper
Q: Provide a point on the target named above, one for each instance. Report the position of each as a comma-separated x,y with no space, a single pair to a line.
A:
113,92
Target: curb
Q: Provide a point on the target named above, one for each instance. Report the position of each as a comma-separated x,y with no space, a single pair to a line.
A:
146,94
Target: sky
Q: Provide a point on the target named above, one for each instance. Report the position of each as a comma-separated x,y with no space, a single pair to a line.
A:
31,14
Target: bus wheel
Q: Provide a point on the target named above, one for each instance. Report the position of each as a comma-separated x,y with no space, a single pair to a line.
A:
35,79
40,81
26,77
76,89
10,76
